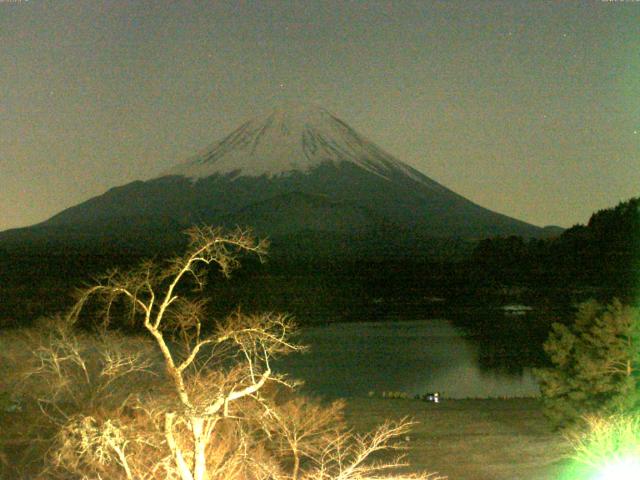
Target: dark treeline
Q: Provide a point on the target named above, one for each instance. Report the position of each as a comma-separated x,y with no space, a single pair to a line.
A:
602,256
320,290
599,260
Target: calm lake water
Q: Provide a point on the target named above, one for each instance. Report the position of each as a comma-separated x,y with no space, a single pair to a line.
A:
418,356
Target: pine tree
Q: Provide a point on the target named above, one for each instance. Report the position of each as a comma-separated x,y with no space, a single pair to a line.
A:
596,363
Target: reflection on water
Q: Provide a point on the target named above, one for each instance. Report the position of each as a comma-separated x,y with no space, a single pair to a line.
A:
352,359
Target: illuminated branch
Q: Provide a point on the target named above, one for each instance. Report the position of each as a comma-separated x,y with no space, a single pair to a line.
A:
219,418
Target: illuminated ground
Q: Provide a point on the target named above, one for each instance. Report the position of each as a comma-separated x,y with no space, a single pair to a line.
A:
473,439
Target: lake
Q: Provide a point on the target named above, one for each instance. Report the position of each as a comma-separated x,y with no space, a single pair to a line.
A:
415,357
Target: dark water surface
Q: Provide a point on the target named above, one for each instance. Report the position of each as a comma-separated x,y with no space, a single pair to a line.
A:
416,356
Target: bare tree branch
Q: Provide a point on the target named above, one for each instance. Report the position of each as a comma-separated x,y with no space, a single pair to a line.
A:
215,415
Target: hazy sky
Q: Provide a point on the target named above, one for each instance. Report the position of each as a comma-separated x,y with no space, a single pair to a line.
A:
528,108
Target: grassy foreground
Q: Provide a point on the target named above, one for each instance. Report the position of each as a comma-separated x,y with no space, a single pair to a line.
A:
472,439
462,439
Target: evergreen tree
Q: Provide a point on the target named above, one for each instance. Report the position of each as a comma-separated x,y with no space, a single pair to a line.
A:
596,363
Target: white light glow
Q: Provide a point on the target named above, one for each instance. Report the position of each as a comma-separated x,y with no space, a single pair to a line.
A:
622,469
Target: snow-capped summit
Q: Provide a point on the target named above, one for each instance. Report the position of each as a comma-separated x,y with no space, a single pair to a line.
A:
293,137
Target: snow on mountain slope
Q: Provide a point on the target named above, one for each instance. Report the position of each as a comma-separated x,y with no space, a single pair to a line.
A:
295,137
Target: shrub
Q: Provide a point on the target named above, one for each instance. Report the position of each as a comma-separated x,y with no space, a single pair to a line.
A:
595,364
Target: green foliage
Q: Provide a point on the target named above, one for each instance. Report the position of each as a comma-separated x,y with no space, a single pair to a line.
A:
596,363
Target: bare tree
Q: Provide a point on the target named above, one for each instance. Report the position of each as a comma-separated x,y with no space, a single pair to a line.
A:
217,415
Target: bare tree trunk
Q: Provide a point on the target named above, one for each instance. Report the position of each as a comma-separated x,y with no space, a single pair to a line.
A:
296,465
183,468
170,365
199,445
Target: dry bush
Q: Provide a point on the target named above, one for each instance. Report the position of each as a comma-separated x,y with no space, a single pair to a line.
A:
19,428
193,399
59,375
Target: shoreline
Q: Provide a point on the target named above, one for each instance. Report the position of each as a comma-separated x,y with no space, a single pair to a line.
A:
471,439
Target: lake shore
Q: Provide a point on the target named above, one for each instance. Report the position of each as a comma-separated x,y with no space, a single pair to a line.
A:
471,439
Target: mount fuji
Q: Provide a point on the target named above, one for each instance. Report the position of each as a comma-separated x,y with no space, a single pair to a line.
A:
296,172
